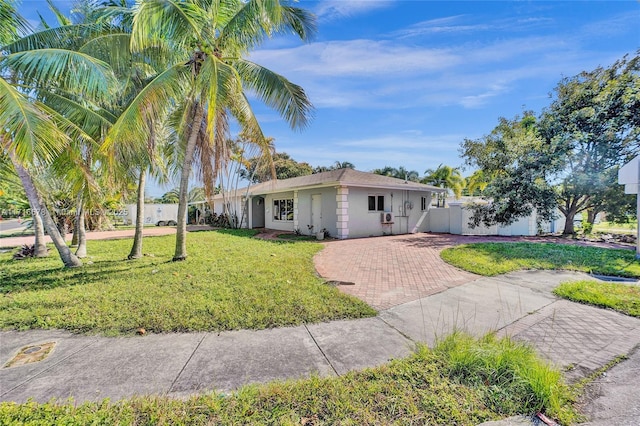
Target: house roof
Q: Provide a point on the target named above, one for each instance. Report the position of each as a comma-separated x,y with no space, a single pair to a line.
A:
343,177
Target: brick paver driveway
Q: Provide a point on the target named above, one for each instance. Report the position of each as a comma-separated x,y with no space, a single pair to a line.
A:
388,271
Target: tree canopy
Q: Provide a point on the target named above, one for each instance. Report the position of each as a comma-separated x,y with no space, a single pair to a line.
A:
567,158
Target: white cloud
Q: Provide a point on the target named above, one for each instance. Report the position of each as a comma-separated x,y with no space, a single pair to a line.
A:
356,58
339,9
447,24
398,74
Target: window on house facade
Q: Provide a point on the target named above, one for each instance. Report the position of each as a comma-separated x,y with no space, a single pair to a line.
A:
283,210
423,204
376,203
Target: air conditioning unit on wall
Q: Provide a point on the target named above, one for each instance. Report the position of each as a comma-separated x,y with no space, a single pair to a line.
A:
386,217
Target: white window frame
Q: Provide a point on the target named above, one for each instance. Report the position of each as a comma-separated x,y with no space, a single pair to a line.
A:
281,209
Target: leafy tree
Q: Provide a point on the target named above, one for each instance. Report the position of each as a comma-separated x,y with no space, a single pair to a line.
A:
257,170
595,116
618,206
445,177
567,159
521,163
207,79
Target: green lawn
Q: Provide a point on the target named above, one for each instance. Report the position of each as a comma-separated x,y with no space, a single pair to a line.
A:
229,281
499,258
616,228
623,298
462,381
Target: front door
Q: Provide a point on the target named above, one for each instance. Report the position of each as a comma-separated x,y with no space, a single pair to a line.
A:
316,212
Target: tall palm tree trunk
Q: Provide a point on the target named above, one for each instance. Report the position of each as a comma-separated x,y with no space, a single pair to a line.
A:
69,259
136,249
40,248
80,229
74,237
181,234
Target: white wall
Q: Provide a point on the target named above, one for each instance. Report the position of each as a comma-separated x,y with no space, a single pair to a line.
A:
365,223
268,212
439,220
328,214
455,220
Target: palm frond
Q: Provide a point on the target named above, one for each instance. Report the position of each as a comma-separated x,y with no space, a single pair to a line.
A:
300,21
69,37
155,101
110,48
276,91
91,120
13,25
28,132
71,71
157,22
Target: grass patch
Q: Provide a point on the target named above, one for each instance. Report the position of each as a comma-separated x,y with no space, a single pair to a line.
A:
623,298
229,281
297,237
499,258
462,381
616,228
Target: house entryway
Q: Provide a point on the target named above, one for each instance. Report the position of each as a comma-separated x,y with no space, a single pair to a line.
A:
316,212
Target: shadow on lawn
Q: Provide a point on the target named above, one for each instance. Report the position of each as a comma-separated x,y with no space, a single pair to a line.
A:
45,279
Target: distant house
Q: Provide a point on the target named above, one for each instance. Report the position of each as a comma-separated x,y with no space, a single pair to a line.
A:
346,203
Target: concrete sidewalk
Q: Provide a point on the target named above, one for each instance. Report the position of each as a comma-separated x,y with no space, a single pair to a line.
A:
519,304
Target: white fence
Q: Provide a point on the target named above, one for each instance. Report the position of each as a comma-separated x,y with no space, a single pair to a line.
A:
455,220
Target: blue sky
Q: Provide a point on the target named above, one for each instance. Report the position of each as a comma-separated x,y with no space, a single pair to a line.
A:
402,83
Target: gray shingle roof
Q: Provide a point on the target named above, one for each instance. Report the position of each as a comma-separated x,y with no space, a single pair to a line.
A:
346,177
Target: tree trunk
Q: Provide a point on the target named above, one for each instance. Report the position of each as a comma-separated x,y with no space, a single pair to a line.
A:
68,258
80,229
40,249
74,237
136,249
568,224
591,215
181,234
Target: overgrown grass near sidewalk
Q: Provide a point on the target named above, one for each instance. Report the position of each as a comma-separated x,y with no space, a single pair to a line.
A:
623,298
499,258
463,381
229,281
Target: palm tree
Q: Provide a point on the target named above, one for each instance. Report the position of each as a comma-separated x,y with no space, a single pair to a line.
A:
207,79
477,182
399,173
342,165
445,177
33,132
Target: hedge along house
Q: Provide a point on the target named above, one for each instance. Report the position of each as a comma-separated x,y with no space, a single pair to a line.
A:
346,203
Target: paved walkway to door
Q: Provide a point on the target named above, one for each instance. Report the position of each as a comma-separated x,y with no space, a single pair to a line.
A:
392,270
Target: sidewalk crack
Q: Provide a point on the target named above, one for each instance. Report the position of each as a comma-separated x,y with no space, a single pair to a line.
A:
186,363
321,351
